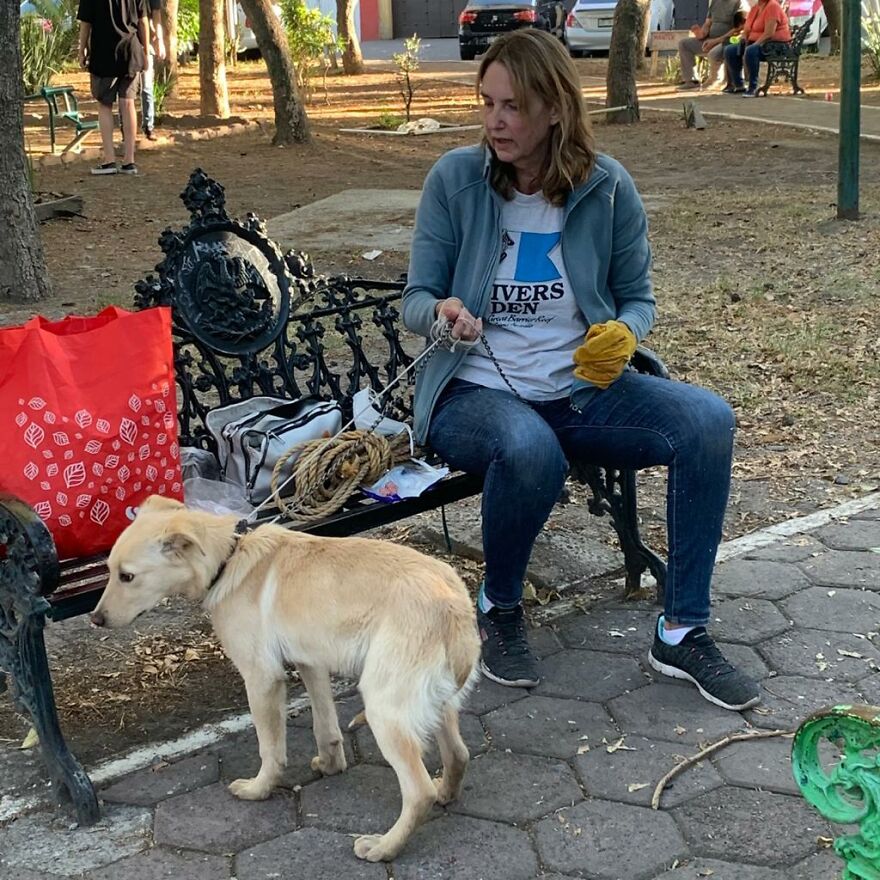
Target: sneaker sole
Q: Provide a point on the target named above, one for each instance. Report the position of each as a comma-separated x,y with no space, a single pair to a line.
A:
675,672
101,172
507,682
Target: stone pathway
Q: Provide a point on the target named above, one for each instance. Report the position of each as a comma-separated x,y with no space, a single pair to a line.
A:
561,777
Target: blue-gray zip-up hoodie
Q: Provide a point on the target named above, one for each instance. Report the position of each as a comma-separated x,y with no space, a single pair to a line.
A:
457,246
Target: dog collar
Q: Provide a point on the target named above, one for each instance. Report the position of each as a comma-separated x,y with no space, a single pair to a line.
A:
240,529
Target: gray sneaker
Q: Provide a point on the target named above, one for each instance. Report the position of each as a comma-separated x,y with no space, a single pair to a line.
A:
506,657
698,660
106,168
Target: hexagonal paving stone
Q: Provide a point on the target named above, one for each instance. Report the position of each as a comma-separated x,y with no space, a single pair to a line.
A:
704,869
43,839
758,578
309,852
845,568
787,699
746,621
853,611
872,514
869,690
764,764
164,864
488,695
214,821
516,788
363,800
619,630
148,787
612,775
28,874
456,847
600,839
825,865
821,654
544,641
589,675
792,549
745,658
762,828
471,731
544,726
240,756
851,535
673,712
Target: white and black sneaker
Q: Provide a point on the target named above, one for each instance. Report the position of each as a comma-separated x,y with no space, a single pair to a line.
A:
698,660
128,168
106,168
506,656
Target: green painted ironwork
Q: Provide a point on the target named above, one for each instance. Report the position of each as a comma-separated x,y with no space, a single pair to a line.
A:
848,791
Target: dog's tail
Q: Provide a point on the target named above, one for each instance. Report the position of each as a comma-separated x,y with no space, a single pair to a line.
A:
462,645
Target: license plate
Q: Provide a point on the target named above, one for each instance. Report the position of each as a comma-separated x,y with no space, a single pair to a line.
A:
606,22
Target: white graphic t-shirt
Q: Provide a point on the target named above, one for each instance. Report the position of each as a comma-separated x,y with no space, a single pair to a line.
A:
534,324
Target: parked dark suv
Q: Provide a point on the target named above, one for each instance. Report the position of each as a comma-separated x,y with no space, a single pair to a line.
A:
483,20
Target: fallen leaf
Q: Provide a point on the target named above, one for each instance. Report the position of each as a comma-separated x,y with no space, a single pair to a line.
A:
637,786
583,749
618,746
854,654
30,740
680,730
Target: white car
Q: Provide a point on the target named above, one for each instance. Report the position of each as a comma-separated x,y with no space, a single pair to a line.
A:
799,12
588,28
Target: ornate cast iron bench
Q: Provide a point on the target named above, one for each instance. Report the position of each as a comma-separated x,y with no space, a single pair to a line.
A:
846,792
783,64
247,321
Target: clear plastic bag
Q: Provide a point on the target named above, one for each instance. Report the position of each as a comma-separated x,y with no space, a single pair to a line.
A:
215,496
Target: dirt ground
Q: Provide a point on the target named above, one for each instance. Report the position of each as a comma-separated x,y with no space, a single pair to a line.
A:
762,297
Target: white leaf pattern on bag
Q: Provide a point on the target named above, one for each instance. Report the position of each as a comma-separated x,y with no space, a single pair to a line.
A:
37,403
174,449
103,426
162,439
134,403
93,447
31,471
61,439
99,512
159,405
97,469
20,419
175,487
145,421
170,474
43,509
61,499
64,520
137,486
168,420
74,474
34,435
128,431
68,455
111,461
116,445
144,451
151,473
45,485
123,473
120,493
47,453
49,418
161,490
83,418
52,470
83,500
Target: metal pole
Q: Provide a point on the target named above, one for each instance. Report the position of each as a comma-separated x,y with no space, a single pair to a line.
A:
850,122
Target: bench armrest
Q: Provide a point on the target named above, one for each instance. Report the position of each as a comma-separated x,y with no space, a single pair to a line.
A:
646,361
30,554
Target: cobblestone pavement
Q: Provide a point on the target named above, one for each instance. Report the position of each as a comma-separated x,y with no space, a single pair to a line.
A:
561,777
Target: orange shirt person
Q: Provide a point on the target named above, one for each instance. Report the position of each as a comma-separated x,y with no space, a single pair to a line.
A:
766,29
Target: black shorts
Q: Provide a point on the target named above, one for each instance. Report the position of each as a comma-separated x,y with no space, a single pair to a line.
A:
106,89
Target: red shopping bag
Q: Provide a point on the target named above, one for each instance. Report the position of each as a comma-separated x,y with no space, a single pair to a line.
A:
88,421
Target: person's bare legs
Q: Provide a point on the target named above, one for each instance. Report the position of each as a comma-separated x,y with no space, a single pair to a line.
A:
106,123
129,128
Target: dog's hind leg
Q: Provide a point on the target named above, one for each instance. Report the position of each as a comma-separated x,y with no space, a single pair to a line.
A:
403,751
454,755
325,722
267,698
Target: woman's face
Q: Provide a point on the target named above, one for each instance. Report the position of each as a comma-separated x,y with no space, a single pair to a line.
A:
518,135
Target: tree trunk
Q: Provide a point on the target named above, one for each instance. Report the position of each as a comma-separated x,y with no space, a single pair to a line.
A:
214,95
833,13
169,66
352,60
291,122
624,56
23,274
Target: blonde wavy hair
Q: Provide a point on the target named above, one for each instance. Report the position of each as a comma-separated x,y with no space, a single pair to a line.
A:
538,65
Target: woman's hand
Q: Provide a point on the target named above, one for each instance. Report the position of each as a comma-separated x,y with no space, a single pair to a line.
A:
464,325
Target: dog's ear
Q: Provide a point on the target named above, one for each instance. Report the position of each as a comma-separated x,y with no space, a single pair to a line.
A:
181,543
157,502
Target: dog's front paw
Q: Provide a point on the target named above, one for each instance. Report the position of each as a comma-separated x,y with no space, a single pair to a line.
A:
329,765
445,795
371,848
250,789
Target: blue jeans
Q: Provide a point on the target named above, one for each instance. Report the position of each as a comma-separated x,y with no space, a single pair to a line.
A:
522,450
148,119
734,57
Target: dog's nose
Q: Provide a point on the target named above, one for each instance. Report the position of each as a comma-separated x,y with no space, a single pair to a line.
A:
97,618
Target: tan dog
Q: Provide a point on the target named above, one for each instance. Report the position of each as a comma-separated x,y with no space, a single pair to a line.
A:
400,621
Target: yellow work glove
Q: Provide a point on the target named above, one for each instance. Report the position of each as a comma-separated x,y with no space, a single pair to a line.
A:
605,353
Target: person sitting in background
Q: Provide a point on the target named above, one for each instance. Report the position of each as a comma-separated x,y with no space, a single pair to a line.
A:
766,29
708,40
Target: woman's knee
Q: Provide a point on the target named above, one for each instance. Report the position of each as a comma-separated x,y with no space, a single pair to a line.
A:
710,423
534,456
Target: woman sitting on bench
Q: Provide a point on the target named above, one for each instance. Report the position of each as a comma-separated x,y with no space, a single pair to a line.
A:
766,29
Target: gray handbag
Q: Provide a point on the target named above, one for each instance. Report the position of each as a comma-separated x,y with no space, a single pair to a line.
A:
253,434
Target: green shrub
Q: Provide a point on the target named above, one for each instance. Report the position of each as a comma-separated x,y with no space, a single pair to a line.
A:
311,38
407,63
871,37
48,37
